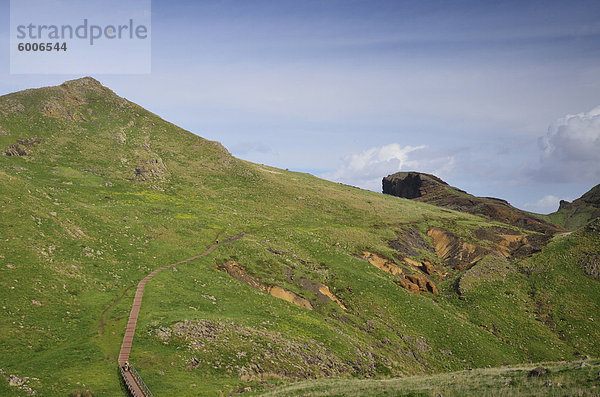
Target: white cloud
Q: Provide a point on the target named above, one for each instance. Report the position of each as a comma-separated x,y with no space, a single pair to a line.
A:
544,205
571,148
366,169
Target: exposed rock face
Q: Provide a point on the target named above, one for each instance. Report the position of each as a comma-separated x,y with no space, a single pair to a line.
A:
413,283
152,169
455,252
407,242
163,333
322,291
412,185
431,189
382,263
238,272
422,282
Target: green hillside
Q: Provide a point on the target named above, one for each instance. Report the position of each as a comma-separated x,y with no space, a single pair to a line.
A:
98,192
576,214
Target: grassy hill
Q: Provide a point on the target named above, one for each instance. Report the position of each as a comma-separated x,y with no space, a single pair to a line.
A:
581,211
328,281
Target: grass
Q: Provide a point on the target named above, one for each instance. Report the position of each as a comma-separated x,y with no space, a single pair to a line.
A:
578,378
80,227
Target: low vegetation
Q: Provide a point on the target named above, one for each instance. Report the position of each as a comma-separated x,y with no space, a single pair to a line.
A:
110,192
580,378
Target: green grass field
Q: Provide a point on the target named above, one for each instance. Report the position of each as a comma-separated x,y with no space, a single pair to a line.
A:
113,192
580,378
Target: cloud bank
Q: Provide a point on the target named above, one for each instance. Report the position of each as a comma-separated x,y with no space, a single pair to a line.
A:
366,169
571,149
545,205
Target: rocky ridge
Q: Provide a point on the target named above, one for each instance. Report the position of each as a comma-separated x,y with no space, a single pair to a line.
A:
431,189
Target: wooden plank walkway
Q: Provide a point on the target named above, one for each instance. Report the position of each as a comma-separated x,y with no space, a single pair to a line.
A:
135,311
135,389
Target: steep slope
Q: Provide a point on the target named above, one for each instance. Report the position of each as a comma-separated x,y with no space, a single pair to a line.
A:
328,279
576,214
431,189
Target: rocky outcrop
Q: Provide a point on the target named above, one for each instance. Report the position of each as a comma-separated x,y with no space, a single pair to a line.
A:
151,169
382,263
322,291
417,283
455,252
22,147
16,150
412,185
18,382
431,189
238,272
413,283
591,265
460,254
409,242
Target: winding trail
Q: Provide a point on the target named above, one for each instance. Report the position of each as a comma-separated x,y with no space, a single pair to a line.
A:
135,311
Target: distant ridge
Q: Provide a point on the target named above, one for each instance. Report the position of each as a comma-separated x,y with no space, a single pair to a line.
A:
430,189
581,211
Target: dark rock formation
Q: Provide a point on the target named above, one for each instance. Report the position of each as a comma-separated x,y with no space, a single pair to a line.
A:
412,185
16,150
22,147
431,189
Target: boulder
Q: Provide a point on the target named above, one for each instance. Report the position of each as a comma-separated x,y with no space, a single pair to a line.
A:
537,372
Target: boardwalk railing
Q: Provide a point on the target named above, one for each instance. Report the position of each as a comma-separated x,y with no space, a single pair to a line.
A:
140,382
139,389
127,381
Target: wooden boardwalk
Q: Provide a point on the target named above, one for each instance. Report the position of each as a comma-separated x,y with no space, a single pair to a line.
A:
130,380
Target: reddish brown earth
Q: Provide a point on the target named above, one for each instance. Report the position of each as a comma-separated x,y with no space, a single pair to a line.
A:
412,282
238,272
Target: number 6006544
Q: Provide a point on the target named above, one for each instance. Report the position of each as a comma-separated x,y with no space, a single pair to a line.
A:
42,46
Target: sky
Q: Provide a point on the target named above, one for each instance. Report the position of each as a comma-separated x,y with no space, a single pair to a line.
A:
500,99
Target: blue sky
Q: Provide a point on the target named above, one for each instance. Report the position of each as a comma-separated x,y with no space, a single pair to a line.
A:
497,98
